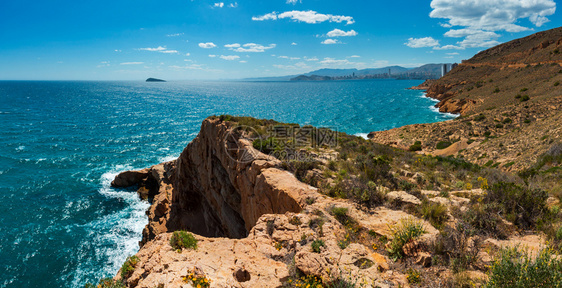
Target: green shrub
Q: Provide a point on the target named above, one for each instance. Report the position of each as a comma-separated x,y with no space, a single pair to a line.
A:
106,283
183,239
479,117
497,90
515,268
484,219
524,89
443,144
507,121
414,276
524,98
525,206
129,266
416,146
499,125
316,244
340,213
266,146
435,213
457,246
408,229
556,83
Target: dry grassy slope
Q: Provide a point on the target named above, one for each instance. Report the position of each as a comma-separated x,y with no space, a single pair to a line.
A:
495,76
493,83
531,130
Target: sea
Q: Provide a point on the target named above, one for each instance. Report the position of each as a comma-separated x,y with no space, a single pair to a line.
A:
62,142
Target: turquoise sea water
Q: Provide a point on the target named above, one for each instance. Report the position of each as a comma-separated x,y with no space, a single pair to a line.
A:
63,142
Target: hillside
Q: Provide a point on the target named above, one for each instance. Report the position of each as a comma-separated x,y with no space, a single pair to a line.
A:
510,101
504,75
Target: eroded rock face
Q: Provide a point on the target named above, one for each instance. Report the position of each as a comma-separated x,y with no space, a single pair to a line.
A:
251,220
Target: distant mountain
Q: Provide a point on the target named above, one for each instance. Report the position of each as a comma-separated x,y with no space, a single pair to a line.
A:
311,78
428,71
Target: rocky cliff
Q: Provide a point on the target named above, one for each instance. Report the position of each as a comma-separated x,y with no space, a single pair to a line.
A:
257,225
509,102
251,220
492,78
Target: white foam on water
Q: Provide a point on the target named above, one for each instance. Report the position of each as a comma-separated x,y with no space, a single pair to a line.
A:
115,236
167,158
363,135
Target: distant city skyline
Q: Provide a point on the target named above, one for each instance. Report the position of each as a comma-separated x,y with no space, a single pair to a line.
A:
199,39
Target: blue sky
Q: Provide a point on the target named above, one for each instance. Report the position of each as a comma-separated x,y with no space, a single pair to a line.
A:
200,39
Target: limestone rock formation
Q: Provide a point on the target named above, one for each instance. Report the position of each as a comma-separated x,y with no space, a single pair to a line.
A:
250,219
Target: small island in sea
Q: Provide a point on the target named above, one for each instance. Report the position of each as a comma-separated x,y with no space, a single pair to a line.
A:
155,80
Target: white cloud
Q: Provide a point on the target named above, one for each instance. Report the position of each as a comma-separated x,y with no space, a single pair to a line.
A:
294,44
422,42
249,47
207,45
341,33
187,54
233,5
230,57
174,35
493,15
479,20
330,41
188,67
310,17
269,16
219,5
333,61
103,64
131,63
289,58
212,56
354,56
310,58
297,66
243,61
117,50
159,48
448,47
293,1
452,54
342,63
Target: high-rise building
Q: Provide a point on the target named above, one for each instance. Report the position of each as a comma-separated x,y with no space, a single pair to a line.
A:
444,70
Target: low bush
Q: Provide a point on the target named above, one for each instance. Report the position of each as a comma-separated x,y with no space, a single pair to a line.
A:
456,248
524,98
524,206
106,283
197,280
414,276
129,266
183,239
435,213
515,268
416,146
443,144
485,221
479,117
316,244
403,232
